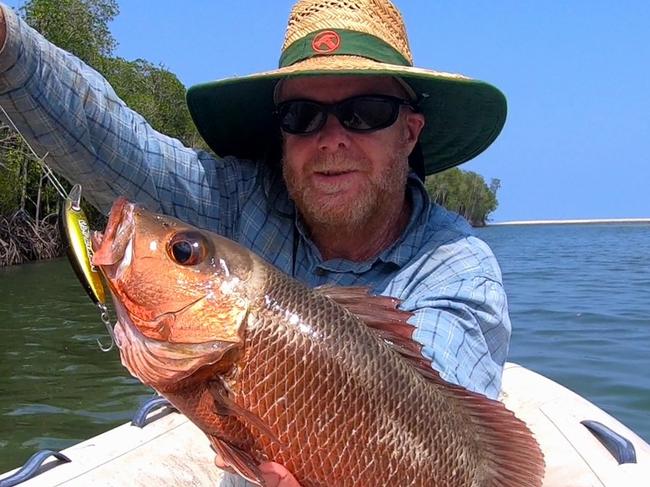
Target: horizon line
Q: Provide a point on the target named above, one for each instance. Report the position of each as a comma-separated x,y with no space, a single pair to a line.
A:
570,221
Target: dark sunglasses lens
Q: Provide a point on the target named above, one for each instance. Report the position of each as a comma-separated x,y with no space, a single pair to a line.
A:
300,117
366,114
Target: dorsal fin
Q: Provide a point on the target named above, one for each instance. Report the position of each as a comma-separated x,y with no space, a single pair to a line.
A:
378,312
515,457
381,314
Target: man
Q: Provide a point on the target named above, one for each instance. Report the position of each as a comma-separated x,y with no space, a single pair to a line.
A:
323,167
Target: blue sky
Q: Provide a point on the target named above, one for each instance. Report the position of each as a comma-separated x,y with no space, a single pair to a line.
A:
576,75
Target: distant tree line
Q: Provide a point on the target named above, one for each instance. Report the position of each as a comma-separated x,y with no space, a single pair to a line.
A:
464,192
29,203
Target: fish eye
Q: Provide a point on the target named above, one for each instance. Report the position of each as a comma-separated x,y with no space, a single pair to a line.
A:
187,248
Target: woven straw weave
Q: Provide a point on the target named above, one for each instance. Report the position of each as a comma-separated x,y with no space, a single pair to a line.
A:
375,17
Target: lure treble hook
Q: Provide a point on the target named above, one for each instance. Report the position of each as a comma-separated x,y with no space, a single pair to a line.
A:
109,328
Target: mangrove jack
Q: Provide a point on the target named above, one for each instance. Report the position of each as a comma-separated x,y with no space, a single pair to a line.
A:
326,381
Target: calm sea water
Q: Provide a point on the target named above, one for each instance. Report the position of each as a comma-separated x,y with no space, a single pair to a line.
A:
579,300
580,307
56,387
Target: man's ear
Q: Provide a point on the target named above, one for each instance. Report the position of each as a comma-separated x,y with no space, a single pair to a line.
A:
414,125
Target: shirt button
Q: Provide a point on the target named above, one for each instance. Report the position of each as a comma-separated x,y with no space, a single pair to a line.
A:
319,272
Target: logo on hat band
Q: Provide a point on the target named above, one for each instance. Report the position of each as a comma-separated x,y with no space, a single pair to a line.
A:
326,42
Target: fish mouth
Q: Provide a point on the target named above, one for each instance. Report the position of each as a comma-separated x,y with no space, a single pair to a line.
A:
110,248
113,251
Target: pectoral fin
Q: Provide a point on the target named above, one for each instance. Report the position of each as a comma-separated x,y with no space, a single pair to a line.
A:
240,461
225,406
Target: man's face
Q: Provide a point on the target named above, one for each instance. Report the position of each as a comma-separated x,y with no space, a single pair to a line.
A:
340,178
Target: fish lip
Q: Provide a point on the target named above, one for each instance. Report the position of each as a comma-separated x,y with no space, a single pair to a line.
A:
109,247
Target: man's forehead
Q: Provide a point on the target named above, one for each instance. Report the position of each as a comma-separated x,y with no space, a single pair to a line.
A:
330,88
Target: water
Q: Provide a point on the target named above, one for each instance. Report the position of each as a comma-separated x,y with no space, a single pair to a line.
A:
579,306
56,387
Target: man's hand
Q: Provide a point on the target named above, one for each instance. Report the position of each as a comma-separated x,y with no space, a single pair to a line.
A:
274,474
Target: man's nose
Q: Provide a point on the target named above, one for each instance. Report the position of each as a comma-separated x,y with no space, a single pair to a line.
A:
333,136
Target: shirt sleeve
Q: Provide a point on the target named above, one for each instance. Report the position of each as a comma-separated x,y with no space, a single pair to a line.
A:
461,315
67,110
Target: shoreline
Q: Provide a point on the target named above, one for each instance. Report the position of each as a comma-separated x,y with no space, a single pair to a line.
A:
571,222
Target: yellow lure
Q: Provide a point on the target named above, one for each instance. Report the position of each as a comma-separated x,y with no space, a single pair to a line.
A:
77,233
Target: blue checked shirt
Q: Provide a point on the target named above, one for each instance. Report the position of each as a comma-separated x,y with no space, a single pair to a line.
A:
447,277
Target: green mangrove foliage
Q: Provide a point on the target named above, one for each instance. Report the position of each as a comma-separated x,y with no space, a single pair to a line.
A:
28,202
464,192
78,26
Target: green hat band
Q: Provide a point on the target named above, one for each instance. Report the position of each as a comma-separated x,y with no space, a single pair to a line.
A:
340,42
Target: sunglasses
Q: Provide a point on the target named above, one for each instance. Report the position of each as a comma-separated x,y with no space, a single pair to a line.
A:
365,113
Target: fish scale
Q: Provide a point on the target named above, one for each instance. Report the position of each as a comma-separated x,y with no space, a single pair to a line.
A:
328,383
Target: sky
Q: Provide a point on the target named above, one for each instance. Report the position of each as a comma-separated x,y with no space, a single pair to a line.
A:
576,75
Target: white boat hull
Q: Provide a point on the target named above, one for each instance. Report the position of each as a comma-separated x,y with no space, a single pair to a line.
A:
171,451
573,455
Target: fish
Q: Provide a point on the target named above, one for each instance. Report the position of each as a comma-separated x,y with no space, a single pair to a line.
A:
327,381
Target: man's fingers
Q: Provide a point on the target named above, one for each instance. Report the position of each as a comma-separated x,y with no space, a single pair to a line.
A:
218,461
276,475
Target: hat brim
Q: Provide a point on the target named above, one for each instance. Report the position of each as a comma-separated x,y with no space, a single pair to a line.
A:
463,116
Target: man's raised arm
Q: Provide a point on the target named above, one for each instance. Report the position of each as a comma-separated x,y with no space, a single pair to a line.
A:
67,110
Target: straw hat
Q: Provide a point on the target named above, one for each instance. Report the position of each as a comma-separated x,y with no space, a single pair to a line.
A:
359,37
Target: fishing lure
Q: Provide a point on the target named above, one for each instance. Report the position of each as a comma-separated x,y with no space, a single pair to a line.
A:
76,231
